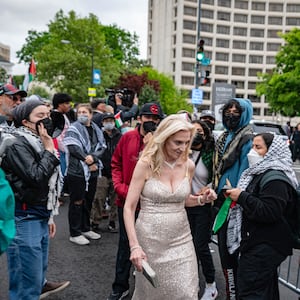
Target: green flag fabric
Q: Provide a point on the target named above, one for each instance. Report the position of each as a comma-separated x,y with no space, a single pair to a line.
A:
222,215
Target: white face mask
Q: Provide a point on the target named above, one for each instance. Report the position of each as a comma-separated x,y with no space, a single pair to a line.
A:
109,126
254,157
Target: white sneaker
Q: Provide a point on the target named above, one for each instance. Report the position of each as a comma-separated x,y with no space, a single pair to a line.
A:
79,240
210,292
91,235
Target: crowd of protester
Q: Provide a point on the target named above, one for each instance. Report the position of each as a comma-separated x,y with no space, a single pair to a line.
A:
161,181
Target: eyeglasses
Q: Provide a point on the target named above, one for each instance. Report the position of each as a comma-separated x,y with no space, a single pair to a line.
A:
15,98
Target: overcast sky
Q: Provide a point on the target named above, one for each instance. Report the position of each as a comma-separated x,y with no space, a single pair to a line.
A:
17,17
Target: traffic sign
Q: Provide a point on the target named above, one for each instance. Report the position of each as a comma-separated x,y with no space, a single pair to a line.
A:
197,96
205,61
96,76
92,92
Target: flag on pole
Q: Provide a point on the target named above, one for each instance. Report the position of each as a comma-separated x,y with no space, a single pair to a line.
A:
118,120
29,76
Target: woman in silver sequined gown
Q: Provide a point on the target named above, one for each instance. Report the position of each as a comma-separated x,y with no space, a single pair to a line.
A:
161,235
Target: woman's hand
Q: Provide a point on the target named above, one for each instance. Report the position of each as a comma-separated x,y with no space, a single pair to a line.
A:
89,159
136,256
93,167
52,230
209,195
233,193
45,138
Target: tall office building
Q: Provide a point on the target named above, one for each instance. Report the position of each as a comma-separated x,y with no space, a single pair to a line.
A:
241,39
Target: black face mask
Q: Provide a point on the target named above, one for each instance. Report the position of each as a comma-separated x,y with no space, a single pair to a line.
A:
231,121
198,140
210,125
47,122
149,126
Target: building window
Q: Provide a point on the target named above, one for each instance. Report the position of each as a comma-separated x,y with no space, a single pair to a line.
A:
211,2
174,53
251,85
257,32
255,59
188,52
222,56
293,8
239,45
190,25
256,110
223,29
188,67
222,43
271,60
240,18
194,1
239,84
223,16
254,98
268,112
190,11
240,31
273,47
208,14
273,33
224,3
175,25
207,27
208,41
221,70
174,67
238,71
189,39
175,12
241,4
239,58
293,21
257,19
261,6
275,21
253,72
174,39
256,46
188,80
276,7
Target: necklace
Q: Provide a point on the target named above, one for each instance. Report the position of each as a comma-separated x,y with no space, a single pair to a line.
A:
171,165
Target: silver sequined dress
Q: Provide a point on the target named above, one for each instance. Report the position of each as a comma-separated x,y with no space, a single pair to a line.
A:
164,233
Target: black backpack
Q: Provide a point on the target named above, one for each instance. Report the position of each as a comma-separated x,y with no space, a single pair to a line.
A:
293,224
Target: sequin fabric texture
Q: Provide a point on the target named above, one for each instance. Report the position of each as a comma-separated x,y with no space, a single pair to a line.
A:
163,232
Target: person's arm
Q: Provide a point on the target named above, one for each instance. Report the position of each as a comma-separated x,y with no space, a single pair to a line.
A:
132,199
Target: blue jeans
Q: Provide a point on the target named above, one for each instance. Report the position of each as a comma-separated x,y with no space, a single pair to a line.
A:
27,257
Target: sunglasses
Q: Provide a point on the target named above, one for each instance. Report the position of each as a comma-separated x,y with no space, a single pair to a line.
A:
15,98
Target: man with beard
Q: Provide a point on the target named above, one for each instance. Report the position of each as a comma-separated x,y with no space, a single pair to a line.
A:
230,160
123,163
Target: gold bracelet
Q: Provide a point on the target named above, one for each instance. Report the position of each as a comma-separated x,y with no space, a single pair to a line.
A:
199,200
135,247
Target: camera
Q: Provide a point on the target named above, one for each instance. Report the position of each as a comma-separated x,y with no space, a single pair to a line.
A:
125,94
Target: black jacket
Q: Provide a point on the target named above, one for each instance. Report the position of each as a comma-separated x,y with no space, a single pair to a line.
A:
111,143
28,172
263,215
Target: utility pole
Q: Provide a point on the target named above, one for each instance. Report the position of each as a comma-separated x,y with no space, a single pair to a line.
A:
198,64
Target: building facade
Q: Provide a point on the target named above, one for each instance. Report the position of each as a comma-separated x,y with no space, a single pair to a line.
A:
241,39
5,58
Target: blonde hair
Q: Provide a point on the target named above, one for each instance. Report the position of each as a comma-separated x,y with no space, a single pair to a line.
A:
154,150
85,105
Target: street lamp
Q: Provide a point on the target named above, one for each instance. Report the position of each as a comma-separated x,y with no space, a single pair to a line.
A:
91,48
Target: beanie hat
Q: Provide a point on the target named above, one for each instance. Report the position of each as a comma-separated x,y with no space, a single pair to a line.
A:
22,111
60,98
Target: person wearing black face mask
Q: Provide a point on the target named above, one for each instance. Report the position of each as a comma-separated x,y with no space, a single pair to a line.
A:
208,116
200,217
31,164
230,160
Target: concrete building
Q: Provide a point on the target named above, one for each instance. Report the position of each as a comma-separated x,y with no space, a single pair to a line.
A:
5,58
241,39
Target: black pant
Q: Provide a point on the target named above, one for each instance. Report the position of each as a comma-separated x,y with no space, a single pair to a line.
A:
79,214
200,220
123,264
257,273
229,263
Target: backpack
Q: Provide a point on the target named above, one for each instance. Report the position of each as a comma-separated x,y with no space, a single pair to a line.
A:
293,224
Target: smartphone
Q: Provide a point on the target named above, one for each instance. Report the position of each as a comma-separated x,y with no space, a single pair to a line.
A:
225,188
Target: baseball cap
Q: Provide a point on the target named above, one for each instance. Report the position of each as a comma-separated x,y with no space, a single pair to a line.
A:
208,113
151,109
9,89
107,116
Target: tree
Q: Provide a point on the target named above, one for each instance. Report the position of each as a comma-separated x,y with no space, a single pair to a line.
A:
68,67
282,86
3,76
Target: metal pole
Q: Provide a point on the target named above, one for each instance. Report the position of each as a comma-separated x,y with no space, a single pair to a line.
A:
198,65
92,78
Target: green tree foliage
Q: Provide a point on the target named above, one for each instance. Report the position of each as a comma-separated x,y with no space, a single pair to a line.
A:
3,76
68,67
282,86
39,90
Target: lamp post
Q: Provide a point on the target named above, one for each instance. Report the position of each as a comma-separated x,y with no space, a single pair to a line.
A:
92,50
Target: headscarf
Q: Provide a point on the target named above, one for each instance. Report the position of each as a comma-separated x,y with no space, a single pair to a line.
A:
279,158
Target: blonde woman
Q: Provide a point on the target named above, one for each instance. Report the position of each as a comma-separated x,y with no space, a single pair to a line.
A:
162,183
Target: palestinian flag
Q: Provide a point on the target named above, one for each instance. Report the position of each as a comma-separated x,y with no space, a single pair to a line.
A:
30,75
118,120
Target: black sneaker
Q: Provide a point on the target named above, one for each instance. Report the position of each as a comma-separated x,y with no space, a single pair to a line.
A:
118,295
112,227
95,227
53,287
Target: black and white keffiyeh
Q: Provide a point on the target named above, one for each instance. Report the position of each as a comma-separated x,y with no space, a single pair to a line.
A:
279,158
